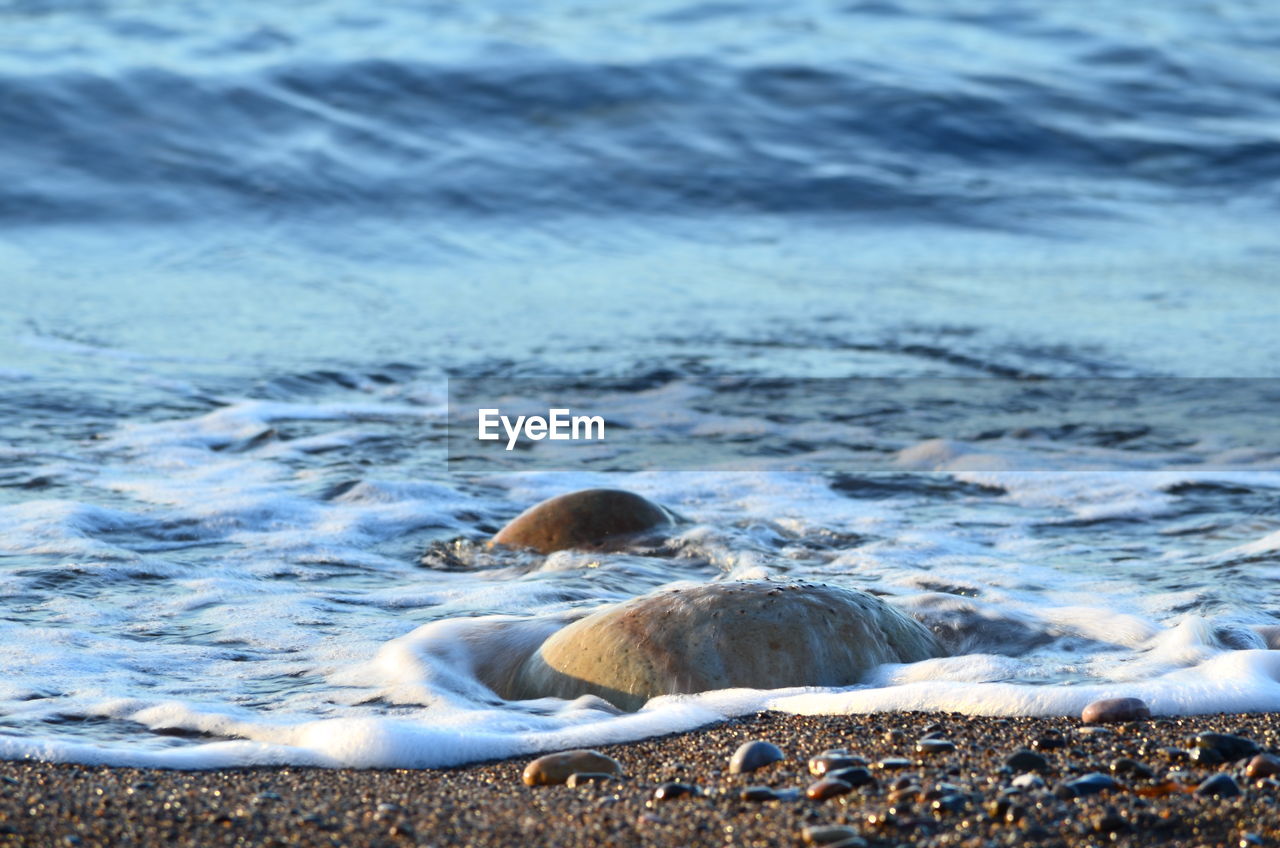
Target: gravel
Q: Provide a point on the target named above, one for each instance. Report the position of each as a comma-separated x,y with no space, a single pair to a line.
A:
1160,795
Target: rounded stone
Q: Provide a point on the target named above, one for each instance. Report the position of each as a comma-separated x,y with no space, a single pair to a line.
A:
592,519
554,769
1115,709
826,834
830,761
754,634
1228,746
1023,760
671,790
753,755
1263,765
758,794
1221,785
828,787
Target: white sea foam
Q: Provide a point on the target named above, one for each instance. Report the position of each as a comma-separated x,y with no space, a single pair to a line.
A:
213,579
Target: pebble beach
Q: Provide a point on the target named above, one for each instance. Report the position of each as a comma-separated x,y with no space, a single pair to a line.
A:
1007,781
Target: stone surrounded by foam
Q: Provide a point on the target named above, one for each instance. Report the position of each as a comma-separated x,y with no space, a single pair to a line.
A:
755,634
590,519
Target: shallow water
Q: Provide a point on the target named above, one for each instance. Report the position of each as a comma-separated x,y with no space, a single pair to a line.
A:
245,249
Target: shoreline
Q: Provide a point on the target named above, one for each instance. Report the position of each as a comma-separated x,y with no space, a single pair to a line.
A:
959,797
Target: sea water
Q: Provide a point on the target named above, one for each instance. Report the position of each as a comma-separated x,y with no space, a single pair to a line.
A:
246,248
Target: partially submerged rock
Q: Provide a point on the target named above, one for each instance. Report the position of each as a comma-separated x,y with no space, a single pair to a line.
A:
591,519
755,634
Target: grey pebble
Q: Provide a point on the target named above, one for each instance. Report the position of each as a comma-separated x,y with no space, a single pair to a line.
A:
1226,745
1024,760
753,755
1089,784
1220,785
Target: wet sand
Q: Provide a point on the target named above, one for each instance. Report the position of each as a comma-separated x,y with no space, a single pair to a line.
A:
960,797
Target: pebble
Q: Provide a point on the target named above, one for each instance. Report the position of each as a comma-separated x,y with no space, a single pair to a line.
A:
1024,760
766,793
1131,768
1029,780
893,763
828,787
672,790
759,794
829,761
1263,765
854,776
932,747
753,755
1226,745
1115,709
1220,785
584,519
1089,784
586,778
826,834
1110,821
1049,741
555,769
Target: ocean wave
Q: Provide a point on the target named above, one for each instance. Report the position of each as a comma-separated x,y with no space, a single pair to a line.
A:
670,136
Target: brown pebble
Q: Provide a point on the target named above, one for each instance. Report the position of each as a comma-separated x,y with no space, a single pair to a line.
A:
584,520
1263,765
554,769
828,787
1115,709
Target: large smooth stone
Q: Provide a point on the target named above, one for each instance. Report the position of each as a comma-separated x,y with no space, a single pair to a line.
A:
757,634
589,519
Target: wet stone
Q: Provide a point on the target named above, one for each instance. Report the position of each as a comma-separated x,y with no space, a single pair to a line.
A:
1049,741
1131,768
1206,757
671,790
829,761
933,747
759,794
1263,765
588,778
1110,821
1220,786
582,520
554,769
1227,745
827,834
1024,760
894,763
1115,709
828,787
753,755
854,776
1089,784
